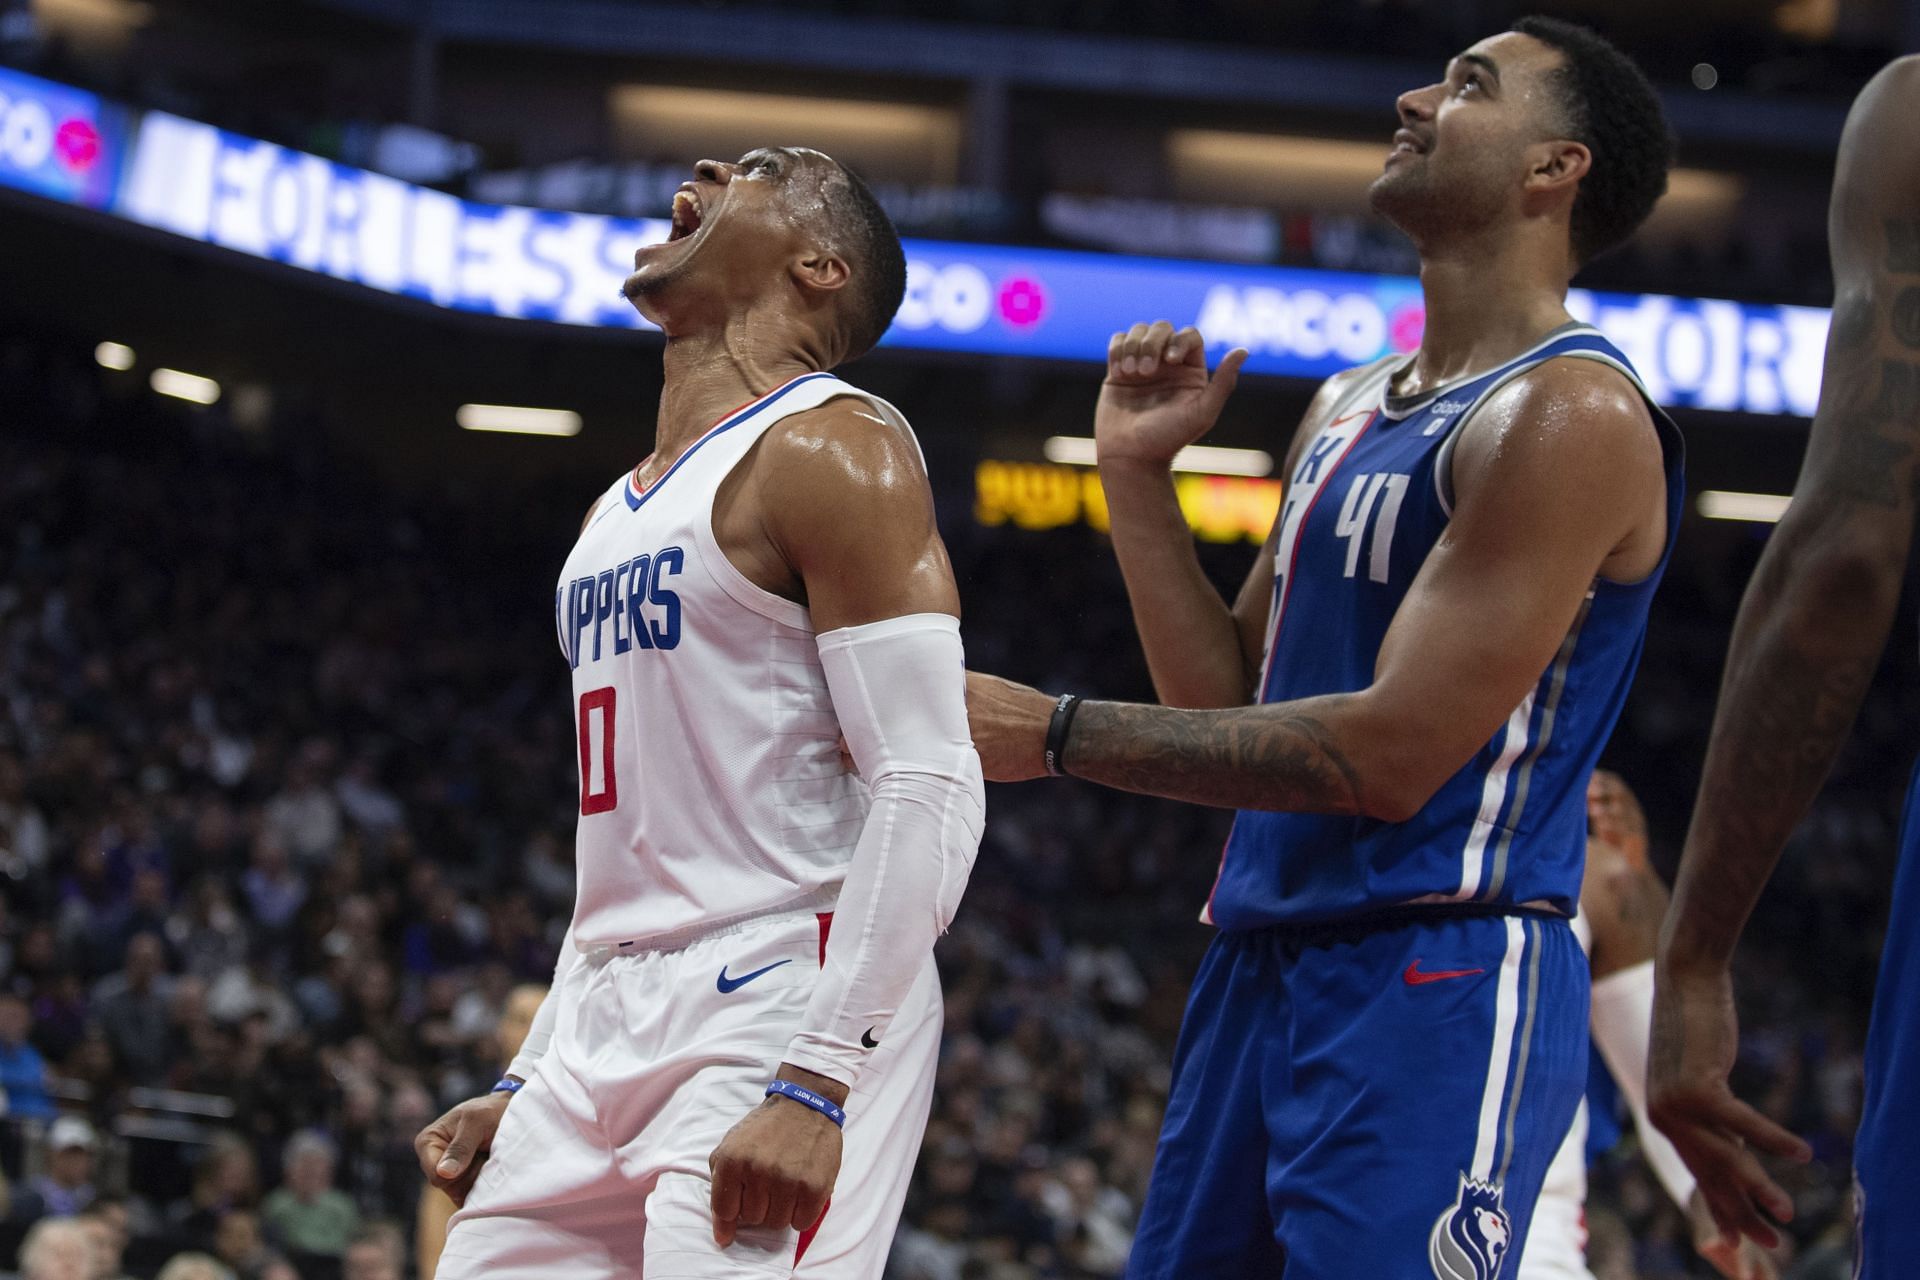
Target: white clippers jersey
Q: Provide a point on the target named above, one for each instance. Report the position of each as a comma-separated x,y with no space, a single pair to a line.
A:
711,788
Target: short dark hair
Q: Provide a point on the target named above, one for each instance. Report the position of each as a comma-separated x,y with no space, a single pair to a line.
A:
1612,109
861,228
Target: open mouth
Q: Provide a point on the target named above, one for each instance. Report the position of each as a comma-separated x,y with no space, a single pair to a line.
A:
1405,142
687,214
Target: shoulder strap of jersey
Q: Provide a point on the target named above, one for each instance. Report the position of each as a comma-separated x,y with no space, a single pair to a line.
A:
725,441
1361,392
1579,342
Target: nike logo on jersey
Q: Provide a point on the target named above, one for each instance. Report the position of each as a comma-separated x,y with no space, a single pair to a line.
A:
866,1038
728,985
1415,978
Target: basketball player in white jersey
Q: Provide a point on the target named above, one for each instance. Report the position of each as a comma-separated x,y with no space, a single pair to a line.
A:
749,967
1622,902
431,1215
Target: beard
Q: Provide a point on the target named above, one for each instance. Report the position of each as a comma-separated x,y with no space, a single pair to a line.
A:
1406,194
1429,201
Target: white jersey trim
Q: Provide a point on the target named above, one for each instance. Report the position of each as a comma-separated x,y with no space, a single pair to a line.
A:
1506,1016
1493,798
1426,398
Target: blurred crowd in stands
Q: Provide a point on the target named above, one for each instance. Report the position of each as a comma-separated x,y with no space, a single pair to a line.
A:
286,798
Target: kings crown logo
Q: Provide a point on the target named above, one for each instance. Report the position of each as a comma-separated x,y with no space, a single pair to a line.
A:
1470,1240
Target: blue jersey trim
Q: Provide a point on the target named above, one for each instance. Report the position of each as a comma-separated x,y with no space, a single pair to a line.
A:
634,501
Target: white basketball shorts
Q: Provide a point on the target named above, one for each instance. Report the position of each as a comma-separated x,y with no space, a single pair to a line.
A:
1557,1240
599,1169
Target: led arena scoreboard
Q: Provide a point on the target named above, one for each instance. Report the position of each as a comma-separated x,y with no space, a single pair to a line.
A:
269,202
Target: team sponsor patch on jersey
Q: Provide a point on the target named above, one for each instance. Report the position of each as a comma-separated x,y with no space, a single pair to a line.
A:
1470,1240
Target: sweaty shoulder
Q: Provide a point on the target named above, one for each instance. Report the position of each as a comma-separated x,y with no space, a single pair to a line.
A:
1567,402
842,462
846,444
846,504
1578,418
1572,437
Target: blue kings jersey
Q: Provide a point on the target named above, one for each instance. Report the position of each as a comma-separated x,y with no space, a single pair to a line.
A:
1369,497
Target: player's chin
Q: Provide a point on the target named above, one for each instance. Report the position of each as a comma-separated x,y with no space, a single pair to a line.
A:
1395,186
645,282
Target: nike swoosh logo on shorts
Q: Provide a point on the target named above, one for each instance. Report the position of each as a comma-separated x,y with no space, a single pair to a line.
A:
1415,978
728,985
867,1040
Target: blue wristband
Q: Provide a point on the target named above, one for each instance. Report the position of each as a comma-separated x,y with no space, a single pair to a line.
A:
508,1085
807,1098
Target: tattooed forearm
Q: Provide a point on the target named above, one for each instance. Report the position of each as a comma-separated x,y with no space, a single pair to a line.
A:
1784,716
1276,757
1816,617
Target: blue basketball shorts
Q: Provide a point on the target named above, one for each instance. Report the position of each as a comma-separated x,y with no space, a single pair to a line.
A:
1886,1159
1375,1100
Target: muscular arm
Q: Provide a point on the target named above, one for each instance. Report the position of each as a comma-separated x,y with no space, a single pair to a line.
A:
845,502
1805,646
1200,651
846,508
1554,478
1816,616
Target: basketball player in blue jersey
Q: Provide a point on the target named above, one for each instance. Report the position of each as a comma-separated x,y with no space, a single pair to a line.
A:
1388,1037
1808,639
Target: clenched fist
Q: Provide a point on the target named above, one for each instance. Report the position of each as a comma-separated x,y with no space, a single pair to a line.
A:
452,1148
776,1168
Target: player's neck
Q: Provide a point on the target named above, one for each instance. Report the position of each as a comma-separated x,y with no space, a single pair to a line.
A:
710,375
1485,305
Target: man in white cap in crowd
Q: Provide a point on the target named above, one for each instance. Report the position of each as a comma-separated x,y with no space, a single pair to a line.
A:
66,1188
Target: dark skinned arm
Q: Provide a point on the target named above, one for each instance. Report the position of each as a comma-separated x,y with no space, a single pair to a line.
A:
1805,647
1156,400
1555,478
847,511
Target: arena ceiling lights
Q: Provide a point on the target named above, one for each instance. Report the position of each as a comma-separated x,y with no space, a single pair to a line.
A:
184,386
114,355
1206,459
518,420
1723,504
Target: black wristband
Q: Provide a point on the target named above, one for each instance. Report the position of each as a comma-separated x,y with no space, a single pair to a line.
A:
1057,729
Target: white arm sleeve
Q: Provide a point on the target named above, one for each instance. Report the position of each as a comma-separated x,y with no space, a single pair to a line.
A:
899,690
1622,1029
540,1034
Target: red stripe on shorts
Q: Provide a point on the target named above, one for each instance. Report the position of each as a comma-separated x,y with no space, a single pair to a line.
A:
806,1237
